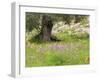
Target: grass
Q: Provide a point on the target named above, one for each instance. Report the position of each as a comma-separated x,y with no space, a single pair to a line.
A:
71,50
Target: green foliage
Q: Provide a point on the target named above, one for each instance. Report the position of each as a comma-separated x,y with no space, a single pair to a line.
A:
69,18
33,20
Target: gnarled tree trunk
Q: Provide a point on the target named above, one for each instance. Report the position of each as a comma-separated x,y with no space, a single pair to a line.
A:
47,26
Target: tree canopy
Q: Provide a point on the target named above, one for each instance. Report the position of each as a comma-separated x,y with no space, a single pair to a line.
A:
33,20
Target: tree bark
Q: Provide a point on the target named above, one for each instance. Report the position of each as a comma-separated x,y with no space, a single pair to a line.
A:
47,26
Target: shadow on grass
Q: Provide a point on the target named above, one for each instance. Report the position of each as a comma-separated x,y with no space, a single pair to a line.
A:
38,40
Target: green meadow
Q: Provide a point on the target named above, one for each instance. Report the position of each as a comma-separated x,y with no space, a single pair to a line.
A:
71,50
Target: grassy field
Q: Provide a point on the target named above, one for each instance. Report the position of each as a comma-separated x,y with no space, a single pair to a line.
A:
71,50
